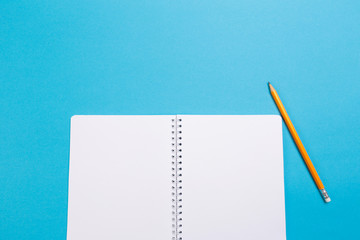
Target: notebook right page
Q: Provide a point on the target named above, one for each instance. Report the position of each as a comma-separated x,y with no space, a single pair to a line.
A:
232,175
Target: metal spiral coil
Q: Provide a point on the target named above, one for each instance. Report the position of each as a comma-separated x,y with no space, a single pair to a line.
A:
176,178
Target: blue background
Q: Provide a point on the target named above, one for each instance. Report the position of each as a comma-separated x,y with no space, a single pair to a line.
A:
60,58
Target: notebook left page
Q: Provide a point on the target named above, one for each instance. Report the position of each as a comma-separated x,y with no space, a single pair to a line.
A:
120,178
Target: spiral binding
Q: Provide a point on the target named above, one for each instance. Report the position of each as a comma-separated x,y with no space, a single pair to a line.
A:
176,178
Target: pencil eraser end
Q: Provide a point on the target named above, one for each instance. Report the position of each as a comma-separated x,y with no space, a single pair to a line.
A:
325,195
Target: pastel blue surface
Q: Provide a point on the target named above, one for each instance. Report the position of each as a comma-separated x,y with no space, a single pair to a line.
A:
60,58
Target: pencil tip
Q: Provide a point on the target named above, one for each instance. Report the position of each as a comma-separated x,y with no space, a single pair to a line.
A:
271,87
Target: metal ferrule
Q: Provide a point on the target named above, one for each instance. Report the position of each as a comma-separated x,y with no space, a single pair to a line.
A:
325,195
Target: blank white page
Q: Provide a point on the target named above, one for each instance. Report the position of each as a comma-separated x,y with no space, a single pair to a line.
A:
233,182
120,178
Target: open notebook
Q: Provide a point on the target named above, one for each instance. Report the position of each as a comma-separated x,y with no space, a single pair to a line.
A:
187,177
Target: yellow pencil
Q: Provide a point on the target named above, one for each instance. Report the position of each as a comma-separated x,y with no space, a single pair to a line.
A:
299,144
